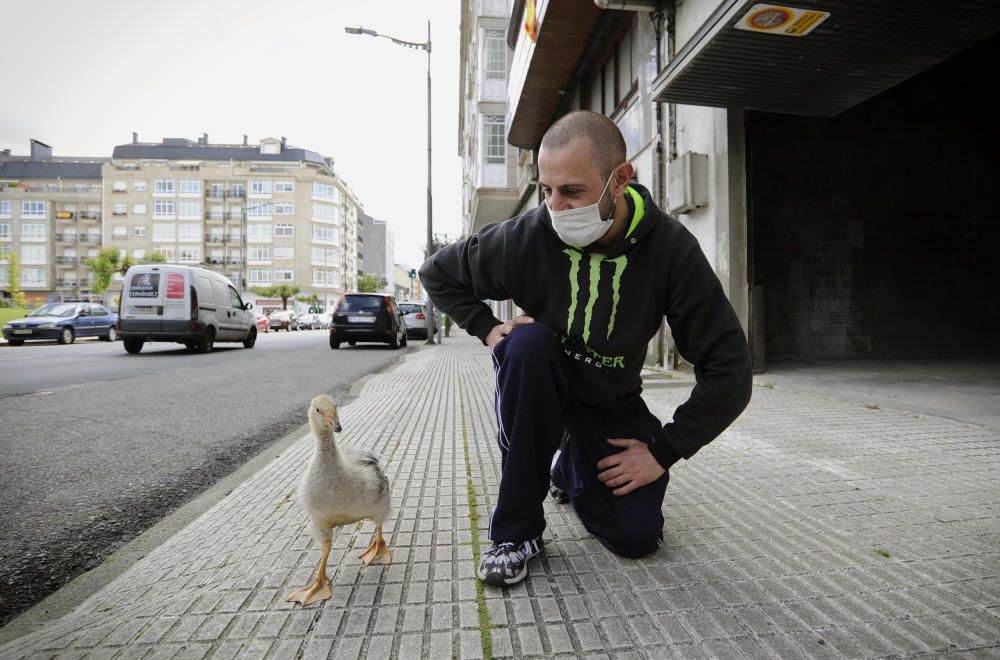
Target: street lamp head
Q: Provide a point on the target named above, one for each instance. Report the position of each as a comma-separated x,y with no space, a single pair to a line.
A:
360,30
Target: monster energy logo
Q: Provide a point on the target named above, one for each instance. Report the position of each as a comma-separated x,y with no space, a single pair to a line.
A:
595,262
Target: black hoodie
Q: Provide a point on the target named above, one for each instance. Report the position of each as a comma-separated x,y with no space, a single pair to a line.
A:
606,307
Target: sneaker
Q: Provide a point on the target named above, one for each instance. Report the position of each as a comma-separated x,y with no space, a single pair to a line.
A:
507,563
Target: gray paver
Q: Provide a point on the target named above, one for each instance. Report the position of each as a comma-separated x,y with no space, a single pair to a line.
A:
772,537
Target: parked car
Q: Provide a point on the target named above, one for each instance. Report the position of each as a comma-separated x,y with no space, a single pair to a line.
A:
185,304
309,321
283,319
416,315
63,322
263,325
369,317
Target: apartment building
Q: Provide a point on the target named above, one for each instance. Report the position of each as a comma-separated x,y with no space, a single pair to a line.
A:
491,190
378,250
264,214
50,218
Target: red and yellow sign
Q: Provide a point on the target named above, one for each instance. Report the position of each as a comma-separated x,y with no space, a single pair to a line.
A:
778,19
530,20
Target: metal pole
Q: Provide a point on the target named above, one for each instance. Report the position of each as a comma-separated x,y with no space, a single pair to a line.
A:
430,221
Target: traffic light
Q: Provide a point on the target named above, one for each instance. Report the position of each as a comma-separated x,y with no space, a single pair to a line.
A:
413,273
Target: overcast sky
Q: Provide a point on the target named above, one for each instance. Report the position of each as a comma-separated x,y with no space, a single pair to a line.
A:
81,76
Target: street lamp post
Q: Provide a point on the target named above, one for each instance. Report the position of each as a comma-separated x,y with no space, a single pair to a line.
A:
426,46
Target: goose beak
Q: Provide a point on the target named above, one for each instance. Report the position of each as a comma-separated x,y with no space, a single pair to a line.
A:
331,420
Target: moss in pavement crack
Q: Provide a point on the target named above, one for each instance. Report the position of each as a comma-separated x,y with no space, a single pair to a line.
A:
486,639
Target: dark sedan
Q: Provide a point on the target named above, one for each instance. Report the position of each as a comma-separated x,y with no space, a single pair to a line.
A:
63,322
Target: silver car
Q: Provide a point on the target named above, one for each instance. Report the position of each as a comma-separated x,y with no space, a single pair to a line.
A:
415,313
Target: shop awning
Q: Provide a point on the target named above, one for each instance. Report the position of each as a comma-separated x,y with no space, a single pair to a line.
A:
746,54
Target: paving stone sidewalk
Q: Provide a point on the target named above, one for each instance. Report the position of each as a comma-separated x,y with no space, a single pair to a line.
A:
812,528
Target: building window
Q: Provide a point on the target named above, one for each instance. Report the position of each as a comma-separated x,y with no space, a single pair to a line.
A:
139,186
284,252
139,231
494,65
139,209
4,253
33,277
119,186
259,254
326,213
284,209
284,186
164,232
189,232
325,191
33,255
119,231
260,187
119,209
190,187
164,209
325,256
5,211
259,276
166,250
284,230
139,253
164,186
32,208
493,169
258,233
615,80
263,211
189,254
284,275
33,231
326,234
4,231
189,210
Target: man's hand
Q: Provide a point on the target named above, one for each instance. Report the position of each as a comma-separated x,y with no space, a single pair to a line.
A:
630,469
504,329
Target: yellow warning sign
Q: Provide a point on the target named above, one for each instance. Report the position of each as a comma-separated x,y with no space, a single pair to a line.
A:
777,19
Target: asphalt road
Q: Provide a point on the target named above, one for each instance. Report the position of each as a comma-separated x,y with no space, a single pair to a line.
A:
96,445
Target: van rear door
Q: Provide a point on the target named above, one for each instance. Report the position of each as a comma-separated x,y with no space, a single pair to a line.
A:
152,295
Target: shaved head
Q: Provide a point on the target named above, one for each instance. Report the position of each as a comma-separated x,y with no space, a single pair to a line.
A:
607,146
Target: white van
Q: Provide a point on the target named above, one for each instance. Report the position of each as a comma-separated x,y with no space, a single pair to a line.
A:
185,304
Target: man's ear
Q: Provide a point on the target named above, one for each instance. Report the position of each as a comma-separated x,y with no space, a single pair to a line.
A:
622,176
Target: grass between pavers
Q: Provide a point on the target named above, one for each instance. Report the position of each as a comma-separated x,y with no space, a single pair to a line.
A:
485,637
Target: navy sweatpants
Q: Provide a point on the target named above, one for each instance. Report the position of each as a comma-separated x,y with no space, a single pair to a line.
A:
533,406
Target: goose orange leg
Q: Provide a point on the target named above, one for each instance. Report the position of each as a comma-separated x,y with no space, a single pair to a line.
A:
319,590
377,552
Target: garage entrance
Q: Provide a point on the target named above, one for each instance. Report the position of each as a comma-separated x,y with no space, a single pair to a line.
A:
875,233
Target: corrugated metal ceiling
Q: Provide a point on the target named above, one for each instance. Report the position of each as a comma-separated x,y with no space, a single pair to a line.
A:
863,48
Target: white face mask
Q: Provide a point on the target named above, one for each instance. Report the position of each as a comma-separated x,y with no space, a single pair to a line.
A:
581,227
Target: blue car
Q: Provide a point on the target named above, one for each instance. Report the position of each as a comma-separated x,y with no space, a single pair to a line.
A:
63,322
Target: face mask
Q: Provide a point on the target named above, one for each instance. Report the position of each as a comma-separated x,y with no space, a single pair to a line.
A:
581,227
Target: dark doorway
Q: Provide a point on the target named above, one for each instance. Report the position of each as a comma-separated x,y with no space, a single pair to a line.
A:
875,233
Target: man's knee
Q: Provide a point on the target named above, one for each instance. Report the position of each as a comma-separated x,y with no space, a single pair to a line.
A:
530,341
633,541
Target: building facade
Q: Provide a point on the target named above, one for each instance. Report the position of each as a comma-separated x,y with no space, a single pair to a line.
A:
799,147
265,215
50,218
378,250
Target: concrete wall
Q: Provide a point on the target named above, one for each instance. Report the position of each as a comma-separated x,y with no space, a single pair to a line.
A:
875,233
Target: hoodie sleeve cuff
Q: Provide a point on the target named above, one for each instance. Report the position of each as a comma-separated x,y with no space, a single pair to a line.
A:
663,451
482,325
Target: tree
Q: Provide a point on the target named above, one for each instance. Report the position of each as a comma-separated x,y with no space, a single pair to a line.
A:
312,300
283,291
156,258
14,281
368,283
108,262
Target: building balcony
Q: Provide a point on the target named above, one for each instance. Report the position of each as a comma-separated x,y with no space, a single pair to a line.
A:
215,261
90,239
234,260
67,284
65,215
223,194
214,216
67,261
215,238
90,215
65,238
